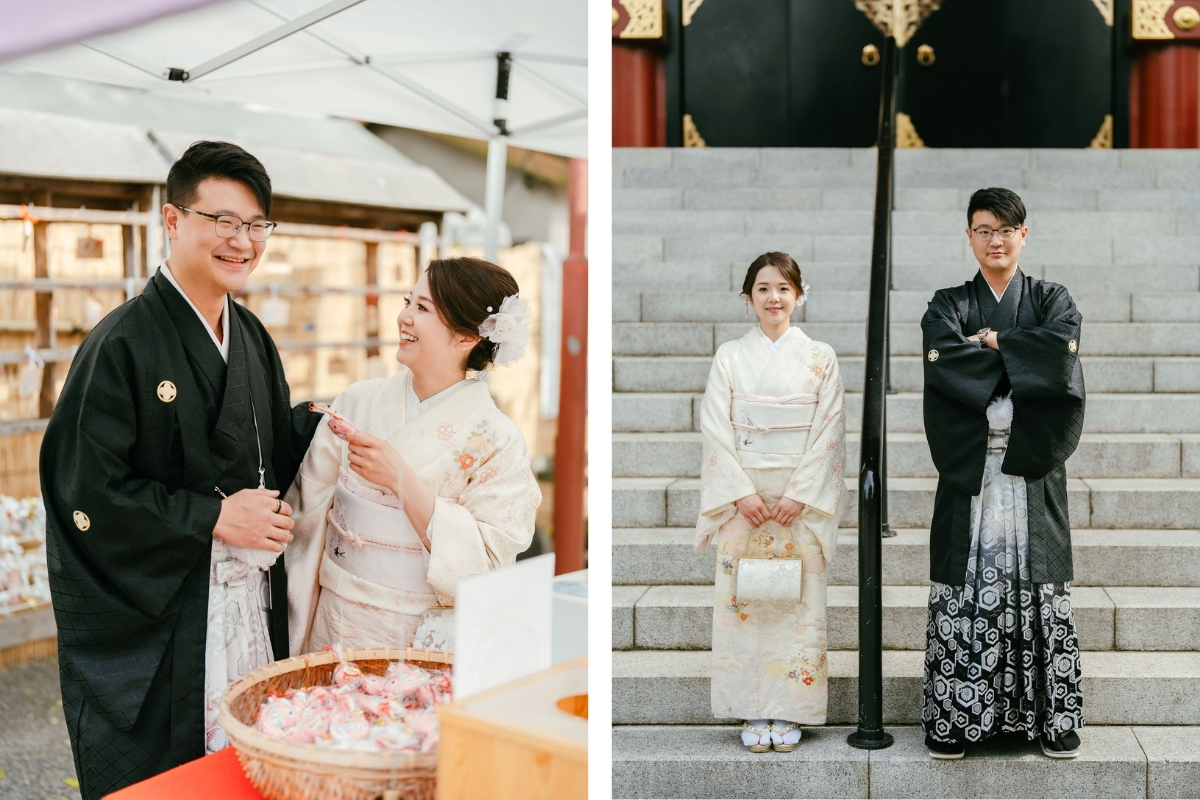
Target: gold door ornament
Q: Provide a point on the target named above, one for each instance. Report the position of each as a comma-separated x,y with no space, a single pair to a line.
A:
926,56
691,136
1186,18
1150,19
1103,140
646,19
870,55
906,132
897,18
1105,7
689,10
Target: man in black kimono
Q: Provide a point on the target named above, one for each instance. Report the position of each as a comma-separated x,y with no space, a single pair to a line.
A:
167,451
1003,411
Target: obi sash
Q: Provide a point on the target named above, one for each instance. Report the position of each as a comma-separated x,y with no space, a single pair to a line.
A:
373,538
772,425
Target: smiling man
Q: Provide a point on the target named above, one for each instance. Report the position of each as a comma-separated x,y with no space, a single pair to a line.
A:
1003,411
161,469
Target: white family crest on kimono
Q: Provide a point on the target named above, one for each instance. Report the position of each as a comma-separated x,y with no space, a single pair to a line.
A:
769,659
357,571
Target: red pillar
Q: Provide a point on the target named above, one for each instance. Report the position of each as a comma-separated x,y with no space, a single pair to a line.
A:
639,117
1164,96
571,448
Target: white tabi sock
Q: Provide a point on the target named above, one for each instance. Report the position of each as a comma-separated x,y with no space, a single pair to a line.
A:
750,737
791,737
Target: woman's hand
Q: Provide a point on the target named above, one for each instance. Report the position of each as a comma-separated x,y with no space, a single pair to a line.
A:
754,510
375,460
378,462
786,510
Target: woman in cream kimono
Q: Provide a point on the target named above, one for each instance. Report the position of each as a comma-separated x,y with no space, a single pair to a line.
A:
418,481
772,493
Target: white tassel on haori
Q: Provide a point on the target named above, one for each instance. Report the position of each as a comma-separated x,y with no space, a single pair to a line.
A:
1000,413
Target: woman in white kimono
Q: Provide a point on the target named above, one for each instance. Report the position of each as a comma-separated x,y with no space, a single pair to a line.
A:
418,481
772,493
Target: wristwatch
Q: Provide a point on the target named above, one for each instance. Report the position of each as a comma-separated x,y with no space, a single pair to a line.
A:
983,332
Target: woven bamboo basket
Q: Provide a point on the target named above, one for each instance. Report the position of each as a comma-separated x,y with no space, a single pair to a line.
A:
283,770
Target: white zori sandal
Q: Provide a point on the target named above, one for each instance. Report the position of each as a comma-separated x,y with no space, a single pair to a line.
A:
756,735
785,736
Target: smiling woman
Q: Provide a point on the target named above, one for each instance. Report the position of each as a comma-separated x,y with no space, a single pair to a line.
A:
772,493
433,486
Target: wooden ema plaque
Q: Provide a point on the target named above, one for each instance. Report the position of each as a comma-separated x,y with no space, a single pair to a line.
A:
525,740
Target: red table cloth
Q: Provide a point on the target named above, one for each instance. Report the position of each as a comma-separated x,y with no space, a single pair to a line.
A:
219,775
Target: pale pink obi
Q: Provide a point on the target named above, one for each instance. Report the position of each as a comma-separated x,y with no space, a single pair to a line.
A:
372,538
773,425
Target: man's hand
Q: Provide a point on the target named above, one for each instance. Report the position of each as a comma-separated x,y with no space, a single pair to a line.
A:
754,510
989,340
250,519
786,511
375,460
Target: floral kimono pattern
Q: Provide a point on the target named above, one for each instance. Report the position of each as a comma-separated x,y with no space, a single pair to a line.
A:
472,457
769,658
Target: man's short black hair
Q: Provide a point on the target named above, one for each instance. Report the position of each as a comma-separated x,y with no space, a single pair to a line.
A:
217,160
1003,203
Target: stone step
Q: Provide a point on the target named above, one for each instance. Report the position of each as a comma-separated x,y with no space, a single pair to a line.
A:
1168,161
652,263
849,338
671,687
1102,374
1099,455
714,212
1126,618
1107,558
701,305
1170,503
1130,412
694,761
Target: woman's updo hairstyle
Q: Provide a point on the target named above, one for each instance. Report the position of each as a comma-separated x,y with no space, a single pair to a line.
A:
466,291
782,262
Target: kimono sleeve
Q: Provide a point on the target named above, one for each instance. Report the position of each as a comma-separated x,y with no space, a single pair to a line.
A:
957,368
491,522
142,538
820,479
1041,360
722,479
310,497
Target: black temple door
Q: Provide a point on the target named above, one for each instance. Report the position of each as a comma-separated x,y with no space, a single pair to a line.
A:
1010,73
780,73
790,73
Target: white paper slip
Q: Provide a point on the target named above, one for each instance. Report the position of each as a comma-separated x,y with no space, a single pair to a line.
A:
504,625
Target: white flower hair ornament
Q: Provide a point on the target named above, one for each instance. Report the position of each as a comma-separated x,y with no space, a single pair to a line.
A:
803,292
508,328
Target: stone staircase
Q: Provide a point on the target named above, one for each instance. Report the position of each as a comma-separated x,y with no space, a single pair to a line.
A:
1121,229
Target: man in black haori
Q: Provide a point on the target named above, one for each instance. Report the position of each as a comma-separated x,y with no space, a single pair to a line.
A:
1003,411
161,469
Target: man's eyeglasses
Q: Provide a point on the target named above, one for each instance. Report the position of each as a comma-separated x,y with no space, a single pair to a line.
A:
985,234
229,225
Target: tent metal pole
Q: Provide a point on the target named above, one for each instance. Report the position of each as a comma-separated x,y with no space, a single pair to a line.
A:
497,161
493,195
550,123
432,97
270,37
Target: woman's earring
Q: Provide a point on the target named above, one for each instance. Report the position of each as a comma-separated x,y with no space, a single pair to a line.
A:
747,309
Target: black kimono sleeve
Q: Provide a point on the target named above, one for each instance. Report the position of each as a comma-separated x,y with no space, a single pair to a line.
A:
121,543
1042,362
960,378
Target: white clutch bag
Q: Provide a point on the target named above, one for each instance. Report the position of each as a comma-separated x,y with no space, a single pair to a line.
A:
765,580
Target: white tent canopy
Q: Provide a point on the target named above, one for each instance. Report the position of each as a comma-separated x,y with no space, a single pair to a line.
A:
430,66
